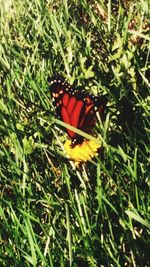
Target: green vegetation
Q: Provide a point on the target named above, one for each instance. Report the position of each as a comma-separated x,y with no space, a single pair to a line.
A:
52,214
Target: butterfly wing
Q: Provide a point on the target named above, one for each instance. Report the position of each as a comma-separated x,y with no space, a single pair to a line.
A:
65,102
75,107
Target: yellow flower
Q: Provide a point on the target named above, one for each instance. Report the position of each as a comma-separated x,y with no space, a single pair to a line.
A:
82,153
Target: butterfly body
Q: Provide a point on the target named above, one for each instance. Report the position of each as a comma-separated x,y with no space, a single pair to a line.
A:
75,107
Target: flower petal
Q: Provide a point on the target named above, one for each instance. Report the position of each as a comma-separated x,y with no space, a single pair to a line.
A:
82,153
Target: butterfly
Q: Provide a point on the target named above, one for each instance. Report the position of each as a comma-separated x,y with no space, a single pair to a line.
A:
76,107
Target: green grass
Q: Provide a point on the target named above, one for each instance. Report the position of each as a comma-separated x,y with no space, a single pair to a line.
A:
51,213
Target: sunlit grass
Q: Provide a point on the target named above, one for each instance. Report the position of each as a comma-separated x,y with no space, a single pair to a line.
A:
52,213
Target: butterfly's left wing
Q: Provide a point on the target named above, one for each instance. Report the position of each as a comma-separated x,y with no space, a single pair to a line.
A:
66,104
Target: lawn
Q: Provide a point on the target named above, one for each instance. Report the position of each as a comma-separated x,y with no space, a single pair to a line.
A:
54,212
